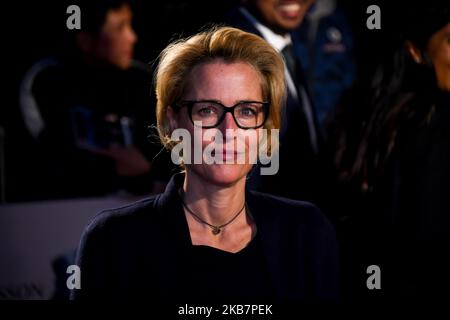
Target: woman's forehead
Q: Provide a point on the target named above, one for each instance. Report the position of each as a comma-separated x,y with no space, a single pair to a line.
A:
219,80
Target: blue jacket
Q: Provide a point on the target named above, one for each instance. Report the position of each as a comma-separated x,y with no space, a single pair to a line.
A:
327,59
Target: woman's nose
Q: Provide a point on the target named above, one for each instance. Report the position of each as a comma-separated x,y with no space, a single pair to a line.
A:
228,122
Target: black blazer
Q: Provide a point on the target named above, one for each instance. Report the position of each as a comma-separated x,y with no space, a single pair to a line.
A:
137,251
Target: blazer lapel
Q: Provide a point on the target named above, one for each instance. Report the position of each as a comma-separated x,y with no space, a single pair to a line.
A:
268,226
176,236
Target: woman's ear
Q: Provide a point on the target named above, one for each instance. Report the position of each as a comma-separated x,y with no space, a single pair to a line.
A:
172,117
414,52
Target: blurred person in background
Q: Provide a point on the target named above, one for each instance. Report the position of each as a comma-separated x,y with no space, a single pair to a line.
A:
300,137
324,42
397,179
90,111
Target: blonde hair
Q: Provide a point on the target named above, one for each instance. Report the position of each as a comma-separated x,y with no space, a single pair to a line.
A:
231,45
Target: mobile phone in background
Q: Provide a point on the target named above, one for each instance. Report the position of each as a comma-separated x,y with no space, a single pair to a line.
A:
98,131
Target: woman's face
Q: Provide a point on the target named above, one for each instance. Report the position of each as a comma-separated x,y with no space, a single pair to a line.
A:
439,52
227,83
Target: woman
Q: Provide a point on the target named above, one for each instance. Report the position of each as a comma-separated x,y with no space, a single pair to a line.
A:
402,164
207,238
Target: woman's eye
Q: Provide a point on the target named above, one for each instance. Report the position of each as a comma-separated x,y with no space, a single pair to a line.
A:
206,111
248,112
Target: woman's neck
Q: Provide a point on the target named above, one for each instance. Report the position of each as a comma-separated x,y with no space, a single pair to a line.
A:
213,203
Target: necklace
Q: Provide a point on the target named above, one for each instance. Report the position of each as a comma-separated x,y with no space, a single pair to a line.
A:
214,229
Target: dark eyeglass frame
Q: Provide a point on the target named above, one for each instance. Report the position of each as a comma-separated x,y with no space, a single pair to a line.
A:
190,104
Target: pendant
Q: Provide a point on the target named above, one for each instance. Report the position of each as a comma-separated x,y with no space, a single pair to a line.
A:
215,230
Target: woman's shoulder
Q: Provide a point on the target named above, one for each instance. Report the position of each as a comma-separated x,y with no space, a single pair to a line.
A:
125,217
289,210
277,200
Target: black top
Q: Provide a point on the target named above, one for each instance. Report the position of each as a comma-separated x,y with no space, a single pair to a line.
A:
217,275
144,250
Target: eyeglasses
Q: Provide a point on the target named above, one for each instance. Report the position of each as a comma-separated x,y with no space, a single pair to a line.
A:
246,114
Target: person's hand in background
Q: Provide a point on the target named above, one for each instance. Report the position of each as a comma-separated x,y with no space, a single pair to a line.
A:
129,161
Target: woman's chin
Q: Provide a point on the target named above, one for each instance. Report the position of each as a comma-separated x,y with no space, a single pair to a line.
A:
223,174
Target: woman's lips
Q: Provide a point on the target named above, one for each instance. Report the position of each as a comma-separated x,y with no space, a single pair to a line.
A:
227,154
231,152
